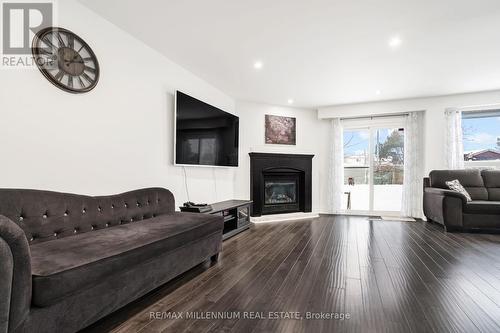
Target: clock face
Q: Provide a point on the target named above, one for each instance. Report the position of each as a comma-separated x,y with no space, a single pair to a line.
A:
65,60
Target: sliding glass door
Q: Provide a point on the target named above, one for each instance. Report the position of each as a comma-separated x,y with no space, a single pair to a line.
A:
388,169
357,166
374,167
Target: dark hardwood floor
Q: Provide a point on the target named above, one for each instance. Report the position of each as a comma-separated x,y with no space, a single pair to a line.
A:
386,276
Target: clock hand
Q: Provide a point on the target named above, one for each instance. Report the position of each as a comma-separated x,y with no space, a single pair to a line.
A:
73,62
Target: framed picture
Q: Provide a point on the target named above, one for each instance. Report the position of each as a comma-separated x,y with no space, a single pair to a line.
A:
280,130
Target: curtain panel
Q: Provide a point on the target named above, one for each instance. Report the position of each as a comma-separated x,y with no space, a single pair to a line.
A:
454,149
336,166
412,201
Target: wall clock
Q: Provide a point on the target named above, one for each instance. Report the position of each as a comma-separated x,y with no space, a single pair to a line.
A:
66,60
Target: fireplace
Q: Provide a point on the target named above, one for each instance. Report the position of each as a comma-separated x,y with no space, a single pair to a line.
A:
280,183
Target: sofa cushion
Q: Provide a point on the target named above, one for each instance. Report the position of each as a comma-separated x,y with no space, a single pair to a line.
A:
46,215
67,265
471,180
483,207
492,182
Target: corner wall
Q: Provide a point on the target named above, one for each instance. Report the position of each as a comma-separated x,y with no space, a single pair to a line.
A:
115,138
312,138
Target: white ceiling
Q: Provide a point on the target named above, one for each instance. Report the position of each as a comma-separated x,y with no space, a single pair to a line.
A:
322,52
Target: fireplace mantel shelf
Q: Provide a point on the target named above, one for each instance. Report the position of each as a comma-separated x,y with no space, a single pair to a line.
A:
270,155
280,149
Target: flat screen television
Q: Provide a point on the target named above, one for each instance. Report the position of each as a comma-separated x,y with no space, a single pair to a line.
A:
204,134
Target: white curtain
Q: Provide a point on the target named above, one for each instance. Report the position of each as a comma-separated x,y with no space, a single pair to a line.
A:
454,149
336,169
413,166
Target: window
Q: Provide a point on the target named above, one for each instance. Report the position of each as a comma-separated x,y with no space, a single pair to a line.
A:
373,166
481,137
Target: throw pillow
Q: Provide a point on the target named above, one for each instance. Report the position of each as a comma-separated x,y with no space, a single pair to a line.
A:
456,186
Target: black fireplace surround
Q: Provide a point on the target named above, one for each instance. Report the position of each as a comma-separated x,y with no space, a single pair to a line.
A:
280,183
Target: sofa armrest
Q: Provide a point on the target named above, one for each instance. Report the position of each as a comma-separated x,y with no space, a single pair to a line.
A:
444,192
6,269
444,206
427,182
15,296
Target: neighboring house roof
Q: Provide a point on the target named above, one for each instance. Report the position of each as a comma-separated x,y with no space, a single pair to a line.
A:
483,155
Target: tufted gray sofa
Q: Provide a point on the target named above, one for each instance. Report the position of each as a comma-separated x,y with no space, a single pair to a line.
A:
68,260
451,208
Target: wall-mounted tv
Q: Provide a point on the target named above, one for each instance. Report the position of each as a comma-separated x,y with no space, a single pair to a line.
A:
204,134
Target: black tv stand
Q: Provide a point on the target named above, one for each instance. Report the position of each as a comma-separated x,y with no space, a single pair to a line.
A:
236,215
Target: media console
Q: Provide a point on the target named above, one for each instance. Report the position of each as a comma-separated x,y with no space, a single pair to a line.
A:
236,215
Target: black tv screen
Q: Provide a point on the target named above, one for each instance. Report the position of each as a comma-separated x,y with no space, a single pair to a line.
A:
205,135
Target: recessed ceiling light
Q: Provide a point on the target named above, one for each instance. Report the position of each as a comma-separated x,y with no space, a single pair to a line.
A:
258,65
378,92
290,101
395,42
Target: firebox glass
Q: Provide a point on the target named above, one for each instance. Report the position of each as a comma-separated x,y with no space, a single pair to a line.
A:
280,192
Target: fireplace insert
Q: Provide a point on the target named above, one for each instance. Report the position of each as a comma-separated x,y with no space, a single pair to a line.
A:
280,192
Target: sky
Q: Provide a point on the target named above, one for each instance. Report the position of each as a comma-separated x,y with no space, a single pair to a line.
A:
356,142
481,133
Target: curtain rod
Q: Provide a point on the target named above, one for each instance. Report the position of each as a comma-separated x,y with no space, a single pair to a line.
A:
481,114
374,117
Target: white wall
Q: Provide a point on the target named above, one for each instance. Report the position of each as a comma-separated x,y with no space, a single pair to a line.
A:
434,117
312,137
116,138
120,136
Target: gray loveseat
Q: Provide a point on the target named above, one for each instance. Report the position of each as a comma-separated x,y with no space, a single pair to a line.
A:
68,260
451,208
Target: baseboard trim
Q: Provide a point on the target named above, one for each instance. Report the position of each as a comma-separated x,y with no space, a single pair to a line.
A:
283,217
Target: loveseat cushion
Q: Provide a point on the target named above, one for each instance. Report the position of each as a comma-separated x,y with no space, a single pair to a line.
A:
483,207
471,180
68,265
492,182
